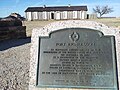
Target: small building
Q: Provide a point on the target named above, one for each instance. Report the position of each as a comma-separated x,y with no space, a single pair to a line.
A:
56,13
92,16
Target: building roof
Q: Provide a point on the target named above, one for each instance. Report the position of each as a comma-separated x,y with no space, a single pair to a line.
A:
58,8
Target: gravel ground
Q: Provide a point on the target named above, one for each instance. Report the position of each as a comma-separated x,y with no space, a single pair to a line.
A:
14,64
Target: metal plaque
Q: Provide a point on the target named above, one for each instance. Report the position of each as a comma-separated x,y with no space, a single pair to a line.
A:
77,58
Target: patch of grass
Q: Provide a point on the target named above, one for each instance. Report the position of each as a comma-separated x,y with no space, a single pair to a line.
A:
111,22
30,25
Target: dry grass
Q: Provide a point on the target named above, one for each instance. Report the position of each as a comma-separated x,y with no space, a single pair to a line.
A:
114,22
34,24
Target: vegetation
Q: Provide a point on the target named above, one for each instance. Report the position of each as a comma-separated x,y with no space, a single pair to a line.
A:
111,22
30,25
102,10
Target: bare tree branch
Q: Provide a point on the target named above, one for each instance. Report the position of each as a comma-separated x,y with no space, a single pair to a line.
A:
102,10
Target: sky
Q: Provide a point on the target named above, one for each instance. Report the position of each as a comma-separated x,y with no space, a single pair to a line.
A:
19,6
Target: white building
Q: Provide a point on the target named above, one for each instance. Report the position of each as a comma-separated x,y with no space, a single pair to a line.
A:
57,13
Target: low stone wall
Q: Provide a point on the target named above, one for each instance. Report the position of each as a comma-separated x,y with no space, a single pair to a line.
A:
12,32
10,23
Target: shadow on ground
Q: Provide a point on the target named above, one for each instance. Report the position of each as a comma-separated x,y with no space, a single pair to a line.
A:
13,43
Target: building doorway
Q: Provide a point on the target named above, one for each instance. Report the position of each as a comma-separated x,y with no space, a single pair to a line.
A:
52,15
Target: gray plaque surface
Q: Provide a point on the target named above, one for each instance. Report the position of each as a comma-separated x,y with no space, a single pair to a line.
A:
77,58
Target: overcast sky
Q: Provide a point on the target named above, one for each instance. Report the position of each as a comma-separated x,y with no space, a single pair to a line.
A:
19,6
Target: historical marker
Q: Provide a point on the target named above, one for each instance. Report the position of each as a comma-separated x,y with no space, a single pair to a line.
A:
77,58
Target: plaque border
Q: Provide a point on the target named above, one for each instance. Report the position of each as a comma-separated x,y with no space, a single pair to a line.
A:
80,87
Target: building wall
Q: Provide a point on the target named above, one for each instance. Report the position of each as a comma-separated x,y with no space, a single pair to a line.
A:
35,15
70,14
29,16
75,15
57,15
40,15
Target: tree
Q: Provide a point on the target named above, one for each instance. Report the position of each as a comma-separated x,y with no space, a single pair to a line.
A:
102,10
